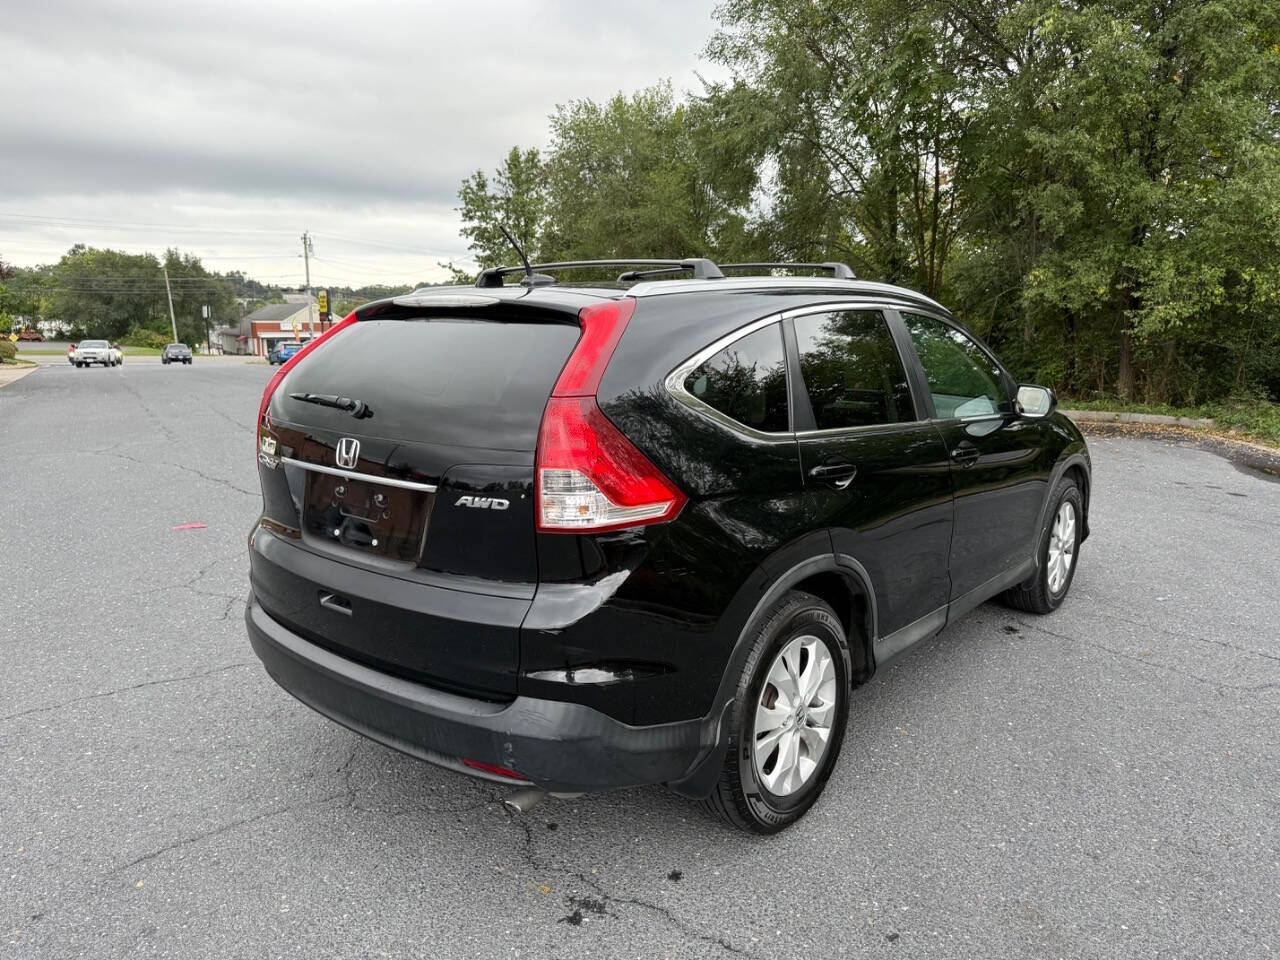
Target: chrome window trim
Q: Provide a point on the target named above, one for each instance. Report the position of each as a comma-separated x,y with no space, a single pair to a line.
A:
353,475
676,378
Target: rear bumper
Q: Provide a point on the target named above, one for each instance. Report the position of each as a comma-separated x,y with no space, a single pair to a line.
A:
561,747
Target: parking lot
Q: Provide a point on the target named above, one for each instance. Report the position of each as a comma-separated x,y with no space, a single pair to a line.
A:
1102,782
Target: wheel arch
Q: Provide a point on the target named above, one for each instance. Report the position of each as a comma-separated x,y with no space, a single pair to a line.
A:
826,575
1075,465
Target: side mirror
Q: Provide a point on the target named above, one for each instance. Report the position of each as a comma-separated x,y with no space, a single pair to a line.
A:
1036,402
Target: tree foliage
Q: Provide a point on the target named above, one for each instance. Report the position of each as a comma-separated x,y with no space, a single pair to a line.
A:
108,293
1095,186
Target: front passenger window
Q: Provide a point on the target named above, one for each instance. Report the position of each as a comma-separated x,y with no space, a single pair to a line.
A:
964,380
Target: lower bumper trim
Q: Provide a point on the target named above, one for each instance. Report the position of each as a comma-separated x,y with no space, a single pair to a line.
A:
561,747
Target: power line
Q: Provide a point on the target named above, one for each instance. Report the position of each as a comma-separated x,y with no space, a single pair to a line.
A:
381,243
85,221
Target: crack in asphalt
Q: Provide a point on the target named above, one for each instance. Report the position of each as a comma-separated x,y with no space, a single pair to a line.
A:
1216,685
135,686
190,584
224,828
1177,635
147,409
673,921
177,466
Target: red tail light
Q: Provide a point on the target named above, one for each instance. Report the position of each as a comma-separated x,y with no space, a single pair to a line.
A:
293,361
590,478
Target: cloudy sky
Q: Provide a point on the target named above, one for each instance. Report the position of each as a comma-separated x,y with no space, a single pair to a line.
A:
228,128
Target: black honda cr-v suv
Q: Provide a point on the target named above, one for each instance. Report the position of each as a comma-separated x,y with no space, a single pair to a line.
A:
578,537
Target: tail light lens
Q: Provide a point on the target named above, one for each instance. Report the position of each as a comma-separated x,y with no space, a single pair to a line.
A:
590,478
293,361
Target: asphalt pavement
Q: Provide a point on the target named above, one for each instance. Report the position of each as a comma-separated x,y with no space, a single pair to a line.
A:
1101,782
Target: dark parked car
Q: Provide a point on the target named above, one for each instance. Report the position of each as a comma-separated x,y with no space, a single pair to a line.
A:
176,353
575,537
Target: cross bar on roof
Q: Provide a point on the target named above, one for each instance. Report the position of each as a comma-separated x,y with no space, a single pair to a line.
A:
701,268
841,271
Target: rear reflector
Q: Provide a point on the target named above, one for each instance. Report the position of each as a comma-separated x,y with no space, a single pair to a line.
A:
491,768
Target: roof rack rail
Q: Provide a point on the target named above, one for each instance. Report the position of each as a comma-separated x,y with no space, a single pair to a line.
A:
701,268
841,271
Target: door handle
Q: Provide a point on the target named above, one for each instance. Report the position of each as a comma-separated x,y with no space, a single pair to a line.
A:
331,601
965,454
839,475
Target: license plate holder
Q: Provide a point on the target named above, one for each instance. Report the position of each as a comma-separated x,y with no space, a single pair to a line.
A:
366,516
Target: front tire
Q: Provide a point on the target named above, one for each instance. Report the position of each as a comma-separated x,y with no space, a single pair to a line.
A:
788,718
1056,552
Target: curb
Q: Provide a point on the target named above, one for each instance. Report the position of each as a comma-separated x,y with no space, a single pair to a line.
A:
1108,416
13,374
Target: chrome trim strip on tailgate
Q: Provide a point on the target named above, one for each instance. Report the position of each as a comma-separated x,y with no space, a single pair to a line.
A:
367,477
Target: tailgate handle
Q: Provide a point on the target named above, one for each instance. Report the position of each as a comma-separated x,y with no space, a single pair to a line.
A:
331,601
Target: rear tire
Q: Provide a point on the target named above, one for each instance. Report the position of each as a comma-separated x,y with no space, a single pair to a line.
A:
1056,553
785,737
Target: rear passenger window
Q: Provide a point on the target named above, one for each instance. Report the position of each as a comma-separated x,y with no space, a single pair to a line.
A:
747,381
852,370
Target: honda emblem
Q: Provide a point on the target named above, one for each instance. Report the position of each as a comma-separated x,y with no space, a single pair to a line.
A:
348,453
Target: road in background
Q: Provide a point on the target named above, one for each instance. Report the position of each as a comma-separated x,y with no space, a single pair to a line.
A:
1099,782
60,359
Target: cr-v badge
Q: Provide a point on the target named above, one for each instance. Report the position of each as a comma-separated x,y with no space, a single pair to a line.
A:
348,453
482,503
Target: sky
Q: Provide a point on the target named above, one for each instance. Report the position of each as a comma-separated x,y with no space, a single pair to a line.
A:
227,129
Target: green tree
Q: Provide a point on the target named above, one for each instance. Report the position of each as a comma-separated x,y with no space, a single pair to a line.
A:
859,111
633,177
1095,186
515,198
1124,218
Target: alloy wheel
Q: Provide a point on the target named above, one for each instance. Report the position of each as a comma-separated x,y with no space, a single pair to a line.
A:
794,716
1062,546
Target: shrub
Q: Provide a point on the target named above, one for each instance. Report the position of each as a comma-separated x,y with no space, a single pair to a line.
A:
7,350
142,337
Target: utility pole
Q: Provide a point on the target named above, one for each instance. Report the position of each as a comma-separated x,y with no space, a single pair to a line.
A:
306,259
169,293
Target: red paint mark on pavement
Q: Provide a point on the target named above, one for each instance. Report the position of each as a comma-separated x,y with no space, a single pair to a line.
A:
190,526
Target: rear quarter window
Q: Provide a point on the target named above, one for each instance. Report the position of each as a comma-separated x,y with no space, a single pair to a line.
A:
746,381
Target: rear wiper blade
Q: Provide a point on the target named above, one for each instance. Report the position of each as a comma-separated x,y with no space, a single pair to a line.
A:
357,408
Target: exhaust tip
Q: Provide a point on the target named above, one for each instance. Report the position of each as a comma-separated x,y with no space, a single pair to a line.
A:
522,801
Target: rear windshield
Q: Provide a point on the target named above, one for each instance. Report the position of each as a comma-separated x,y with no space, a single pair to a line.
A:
94,344
473,383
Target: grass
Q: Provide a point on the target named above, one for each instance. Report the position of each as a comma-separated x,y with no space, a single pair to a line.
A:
1256,419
